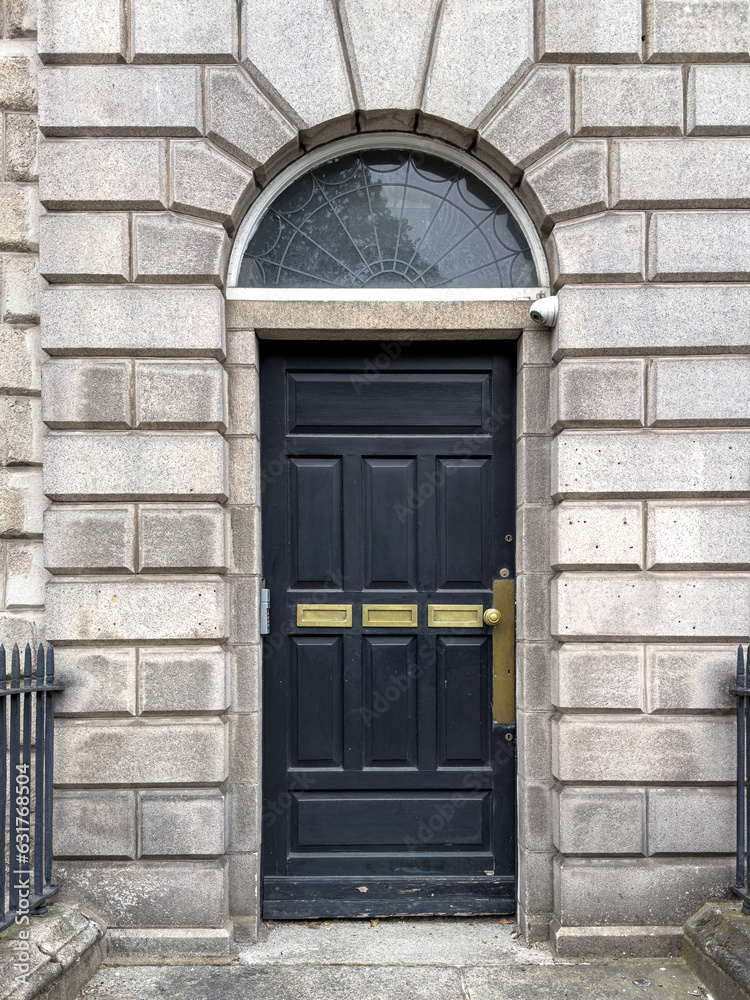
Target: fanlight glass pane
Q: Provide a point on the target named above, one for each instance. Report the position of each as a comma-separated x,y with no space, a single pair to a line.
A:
388,218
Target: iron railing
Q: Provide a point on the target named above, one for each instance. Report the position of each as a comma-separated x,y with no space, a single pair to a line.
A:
26,788
742,691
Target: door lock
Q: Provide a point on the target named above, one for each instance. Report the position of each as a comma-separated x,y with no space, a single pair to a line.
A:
492,617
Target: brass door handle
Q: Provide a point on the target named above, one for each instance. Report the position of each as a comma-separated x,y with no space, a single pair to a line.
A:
492,617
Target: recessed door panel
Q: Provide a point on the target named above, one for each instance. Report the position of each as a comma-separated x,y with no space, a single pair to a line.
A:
315,522
389,492
316,683
390,700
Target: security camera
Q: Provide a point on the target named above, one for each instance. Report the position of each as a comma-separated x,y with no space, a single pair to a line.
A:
544,311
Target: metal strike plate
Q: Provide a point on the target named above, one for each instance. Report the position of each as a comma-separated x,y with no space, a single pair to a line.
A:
504,653
390,615
324,615
454,615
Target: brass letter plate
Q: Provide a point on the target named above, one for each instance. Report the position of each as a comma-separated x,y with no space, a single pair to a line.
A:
504,654
324,615
455,615
389,615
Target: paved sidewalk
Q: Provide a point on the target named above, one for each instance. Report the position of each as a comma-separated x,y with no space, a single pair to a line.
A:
451,959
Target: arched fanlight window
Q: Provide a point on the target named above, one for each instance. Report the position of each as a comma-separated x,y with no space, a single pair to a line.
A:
386,216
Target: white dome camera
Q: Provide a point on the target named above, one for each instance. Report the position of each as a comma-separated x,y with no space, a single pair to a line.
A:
544,311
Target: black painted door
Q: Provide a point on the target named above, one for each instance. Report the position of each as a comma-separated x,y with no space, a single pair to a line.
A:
388,512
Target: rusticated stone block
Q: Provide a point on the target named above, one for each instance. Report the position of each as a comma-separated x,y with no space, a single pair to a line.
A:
103,174
86,539
207,183
173,394
22,627
20,430
690,678
678,821
20,18
152,894
699,246
628,100
181,822
82,31
138,609
182,538
597,536
91,823
570,182
698,391
602,676
194,31
148,466
120,100
591,606
21,286
104,752
600,820
707,30
133,320
535,807
78,393
244,471
609,247
96,681
651,463
590,31
21,148
243,400
18,77
534,738
682,173
170,248
646,320
718,100
707,535
19,217
22,503
20,361
644,749
179,680
85,247
242,121
25,575
597,393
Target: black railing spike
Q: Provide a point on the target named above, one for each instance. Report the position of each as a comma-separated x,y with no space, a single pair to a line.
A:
49,730
39,779
13,761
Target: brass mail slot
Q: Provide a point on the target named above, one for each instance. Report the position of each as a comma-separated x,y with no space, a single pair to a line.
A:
455,615
324,615
389,615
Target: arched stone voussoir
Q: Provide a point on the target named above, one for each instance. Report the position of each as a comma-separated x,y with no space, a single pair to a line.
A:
568,183
206,182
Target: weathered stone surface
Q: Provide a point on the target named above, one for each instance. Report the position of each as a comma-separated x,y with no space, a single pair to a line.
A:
699,30
708,535
591,606
597,535
532,469
20,275
86,539
698,391
628,100
194,31
147,466
182,538
589,31
609,247
718,100
468,71
132,320
691,821
646,320
532,606
244,471
534,737
242,384
20,431
18,84
25,575
179,680
167,247
532,399
532,538
171,394
22,627
20,361
96,681
154,894
699,246
22,503
533,676
715,947
21,148
103,173
85,247
244,678
535,119
80,31
682,173
121,100
156,944
601,821
603,676
597,393
570,182
296,49
20,18
651,463
91,823
78,393
690,678
204,182
244,611
388,46
181,822
19,215
242,121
